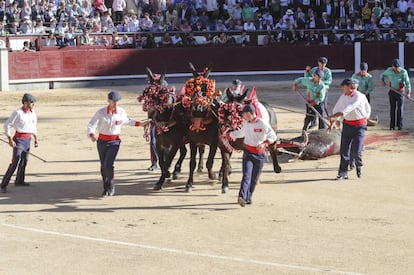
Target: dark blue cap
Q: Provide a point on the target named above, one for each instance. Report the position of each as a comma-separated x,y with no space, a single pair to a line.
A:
323,60
349,81
319,73
28,98
249,109
396,63
114,95
237,82
364,66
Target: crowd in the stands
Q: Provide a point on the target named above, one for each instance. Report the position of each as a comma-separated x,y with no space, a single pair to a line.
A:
162,23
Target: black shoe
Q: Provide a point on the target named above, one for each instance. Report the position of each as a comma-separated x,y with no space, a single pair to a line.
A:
3,189
105,193
21,184
153,167
341,177
399,128
241,201
392,128
358,172
249,202
351,166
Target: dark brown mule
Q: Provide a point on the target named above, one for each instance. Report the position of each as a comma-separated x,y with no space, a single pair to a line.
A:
230,118
170,125
202,109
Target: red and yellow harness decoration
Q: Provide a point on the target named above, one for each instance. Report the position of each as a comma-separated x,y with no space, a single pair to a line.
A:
198,91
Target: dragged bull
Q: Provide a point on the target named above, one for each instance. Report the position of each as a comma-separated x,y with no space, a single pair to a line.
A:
312,145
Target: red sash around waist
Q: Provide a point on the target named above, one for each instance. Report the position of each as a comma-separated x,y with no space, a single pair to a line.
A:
108,137
358,122
23,135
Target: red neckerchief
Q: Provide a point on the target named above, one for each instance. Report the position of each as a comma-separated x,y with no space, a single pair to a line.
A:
109,111
26,110
352,93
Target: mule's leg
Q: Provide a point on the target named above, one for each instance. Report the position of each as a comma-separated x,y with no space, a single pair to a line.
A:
177,167
161,180
273,153
201,150
210,161
168,158
193,153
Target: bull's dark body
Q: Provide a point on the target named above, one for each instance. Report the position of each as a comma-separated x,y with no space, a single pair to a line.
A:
320,144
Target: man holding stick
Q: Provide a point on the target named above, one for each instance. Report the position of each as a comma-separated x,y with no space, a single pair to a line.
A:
354,108
316,92
24,121
399,83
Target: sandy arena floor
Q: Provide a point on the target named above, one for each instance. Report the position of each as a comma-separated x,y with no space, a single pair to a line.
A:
302,220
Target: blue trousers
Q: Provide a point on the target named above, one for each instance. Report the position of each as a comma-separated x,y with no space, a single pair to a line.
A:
108,151
252,167
352,143
19,160
153,145
396,108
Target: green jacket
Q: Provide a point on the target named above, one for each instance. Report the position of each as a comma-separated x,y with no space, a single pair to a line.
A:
315,91
327,77
366,84
398,80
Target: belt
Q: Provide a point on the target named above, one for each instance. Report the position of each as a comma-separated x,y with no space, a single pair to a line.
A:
108,137
358,122
254,150
23,135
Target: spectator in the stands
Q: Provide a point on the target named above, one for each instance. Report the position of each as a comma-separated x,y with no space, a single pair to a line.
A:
198,26
118,7
328,8
26,47
177,40
268,18
325,22
50,41
26,27
106,20
279,36
326,38
366,13
377,10
70,37
249,26
373,24
291,37
391,36
342,13
166,40
248,12
268,39
102,41
146,23
312,38
386,21
399,23
301,21
358,25
402,6
85,39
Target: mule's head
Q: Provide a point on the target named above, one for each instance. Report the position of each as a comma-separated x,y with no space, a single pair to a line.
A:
199,93
156,97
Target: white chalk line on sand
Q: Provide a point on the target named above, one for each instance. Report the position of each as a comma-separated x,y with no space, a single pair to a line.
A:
183,252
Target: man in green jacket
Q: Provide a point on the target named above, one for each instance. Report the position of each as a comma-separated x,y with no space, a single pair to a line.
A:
316,93
326,79
397,79
366,83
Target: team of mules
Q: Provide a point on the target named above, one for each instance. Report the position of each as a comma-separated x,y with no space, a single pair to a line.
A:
196,116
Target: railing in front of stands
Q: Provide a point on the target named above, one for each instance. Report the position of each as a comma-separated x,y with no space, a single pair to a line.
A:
253,38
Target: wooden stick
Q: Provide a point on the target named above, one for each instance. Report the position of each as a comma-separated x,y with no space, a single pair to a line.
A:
39,158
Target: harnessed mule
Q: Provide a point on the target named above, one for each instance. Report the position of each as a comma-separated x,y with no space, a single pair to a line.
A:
170,125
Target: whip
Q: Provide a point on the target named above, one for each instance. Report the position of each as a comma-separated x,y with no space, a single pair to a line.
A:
39,158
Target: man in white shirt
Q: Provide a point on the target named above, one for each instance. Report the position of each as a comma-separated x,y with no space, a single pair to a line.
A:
24,121
108,121
257,134
354,108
